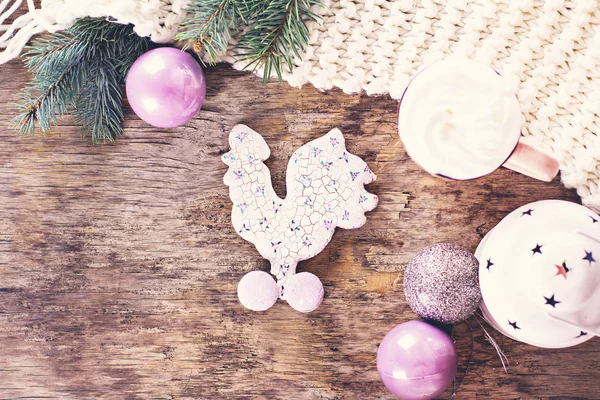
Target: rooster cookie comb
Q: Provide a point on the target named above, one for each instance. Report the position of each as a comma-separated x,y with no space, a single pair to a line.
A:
325,190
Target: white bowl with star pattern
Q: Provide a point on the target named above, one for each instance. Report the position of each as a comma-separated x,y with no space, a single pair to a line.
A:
539,272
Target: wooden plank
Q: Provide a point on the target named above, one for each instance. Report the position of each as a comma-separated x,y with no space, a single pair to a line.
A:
119,265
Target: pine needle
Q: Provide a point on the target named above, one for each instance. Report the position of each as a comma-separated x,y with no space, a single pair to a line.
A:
209,29
278,34
275,31
81,69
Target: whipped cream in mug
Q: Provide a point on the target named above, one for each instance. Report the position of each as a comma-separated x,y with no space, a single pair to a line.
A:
458,119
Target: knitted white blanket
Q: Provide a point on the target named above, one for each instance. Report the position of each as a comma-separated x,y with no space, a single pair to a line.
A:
549,50
155,18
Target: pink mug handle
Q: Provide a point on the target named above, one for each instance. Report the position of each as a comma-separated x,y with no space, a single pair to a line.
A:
532,162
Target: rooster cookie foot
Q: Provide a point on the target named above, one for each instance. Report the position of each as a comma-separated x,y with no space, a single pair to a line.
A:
258,291
303,291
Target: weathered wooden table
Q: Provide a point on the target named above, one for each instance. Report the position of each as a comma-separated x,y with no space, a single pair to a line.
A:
119,264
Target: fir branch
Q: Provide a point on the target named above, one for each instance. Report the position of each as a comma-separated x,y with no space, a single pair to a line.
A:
48,54
104,89
276,30
82,69
50,94
278,34
209,30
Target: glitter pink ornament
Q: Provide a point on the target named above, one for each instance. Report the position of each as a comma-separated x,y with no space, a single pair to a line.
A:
416,360
166,87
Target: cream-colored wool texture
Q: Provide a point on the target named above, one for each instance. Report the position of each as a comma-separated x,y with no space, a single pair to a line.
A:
157,19
549,51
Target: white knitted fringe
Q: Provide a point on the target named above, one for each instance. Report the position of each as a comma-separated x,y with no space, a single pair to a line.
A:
549,50
157,19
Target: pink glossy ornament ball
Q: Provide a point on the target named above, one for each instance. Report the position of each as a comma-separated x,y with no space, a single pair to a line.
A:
416,360
166,87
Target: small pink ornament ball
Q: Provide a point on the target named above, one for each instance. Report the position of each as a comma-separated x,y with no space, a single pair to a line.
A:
416,360
257,291
303,292
166,87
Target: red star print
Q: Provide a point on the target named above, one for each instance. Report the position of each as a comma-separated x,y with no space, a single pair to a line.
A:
562,270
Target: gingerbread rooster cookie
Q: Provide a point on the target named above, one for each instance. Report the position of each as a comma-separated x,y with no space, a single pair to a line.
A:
325,190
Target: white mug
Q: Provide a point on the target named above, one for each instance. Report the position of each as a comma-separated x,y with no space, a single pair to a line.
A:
458,120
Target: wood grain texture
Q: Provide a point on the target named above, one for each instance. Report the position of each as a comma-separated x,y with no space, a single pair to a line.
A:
119,264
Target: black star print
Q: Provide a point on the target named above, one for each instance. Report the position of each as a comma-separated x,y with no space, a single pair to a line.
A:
537,249
514,325
489,263
588,257
550,301
594,220
581,334
528,212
